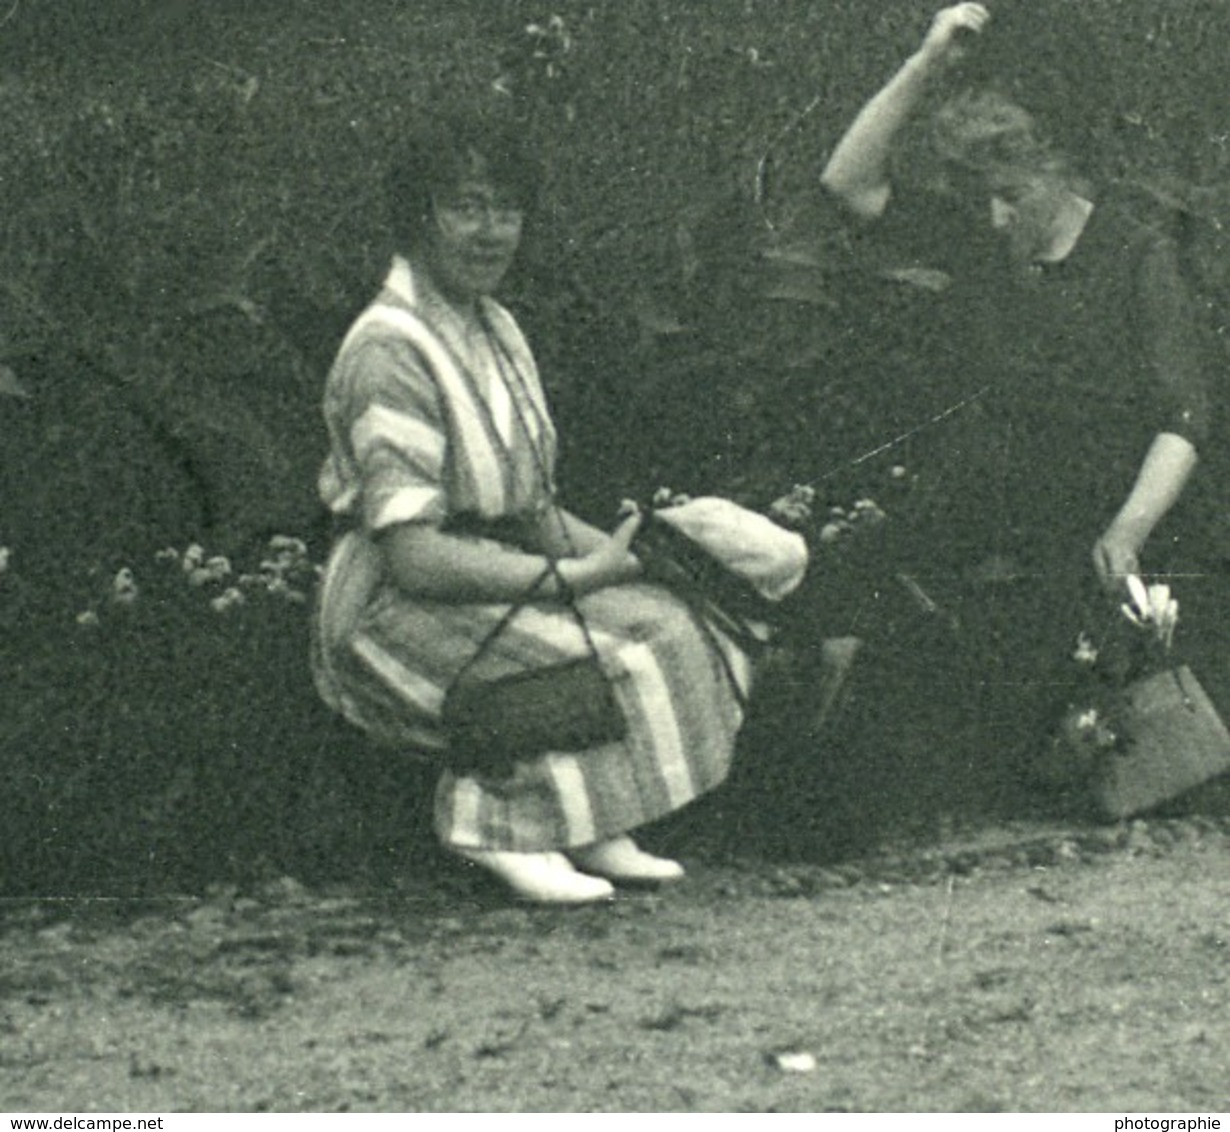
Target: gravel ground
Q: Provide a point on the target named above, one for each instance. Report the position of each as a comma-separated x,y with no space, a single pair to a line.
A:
1029,968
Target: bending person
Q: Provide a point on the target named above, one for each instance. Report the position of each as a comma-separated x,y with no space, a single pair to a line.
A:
1078,456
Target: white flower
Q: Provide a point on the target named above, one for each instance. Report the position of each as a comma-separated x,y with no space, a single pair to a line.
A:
167,554
795,507
868,510
193,557
295,546
4,558
124,587
1086,651
1088,720
219,566
225,600
87,617
831,532
1152,605
665,497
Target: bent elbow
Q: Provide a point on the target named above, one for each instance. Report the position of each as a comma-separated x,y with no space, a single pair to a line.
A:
866,201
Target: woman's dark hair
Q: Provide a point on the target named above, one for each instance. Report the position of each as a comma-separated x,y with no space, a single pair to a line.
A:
437,156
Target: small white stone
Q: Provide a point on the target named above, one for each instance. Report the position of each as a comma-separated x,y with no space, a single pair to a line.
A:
795,1061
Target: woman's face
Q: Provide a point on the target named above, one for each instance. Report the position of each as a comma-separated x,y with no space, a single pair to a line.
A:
1025,209
472,238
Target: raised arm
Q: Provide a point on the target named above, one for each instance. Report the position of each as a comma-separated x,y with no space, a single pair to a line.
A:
857,171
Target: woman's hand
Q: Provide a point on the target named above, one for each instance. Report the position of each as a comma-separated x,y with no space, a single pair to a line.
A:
943,40
609,565
1116,555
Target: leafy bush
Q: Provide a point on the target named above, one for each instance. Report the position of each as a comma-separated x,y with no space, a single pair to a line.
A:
165,729
191,212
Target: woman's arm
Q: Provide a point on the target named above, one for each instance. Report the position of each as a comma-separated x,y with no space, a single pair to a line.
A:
427,562
565,535
1159,483
1170,340
857,171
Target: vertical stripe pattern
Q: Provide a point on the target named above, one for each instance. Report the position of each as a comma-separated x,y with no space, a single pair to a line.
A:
422,428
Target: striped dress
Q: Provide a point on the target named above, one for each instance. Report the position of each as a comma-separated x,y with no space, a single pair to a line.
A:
424,426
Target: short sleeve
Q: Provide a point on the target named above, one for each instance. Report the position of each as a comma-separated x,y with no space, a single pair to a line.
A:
922,229
397,435
1172,344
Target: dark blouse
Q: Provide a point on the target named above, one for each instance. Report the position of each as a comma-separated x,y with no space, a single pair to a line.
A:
1074,368
1026,406
1114,319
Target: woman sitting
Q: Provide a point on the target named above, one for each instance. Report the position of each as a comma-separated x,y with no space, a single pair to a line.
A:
441,463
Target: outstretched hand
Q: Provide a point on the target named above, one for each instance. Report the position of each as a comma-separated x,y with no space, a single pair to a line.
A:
943,39
609,565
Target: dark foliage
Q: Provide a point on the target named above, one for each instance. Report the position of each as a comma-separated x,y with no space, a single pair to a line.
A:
191,211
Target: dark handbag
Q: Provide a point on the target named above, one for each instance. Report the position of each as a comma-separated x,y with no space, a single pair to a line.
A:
567,706
1173,740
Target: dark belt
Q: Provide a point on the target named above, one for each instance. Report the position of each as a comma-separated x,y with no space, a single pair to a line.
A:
515,530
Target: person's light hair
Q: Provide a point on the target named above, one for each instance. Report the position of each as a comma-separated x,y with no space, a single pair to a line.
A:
982,132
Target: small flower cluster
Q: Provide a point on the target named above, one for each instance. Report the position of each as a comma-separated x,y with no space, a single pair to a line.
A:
550,42
666,497
797,510
1094,724
539,57
1094,727
1086,652
124,589
794,509
285,572
860,515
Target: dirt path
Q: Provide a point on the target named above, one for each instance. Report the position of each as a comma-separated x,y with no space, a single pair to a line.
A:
1036,970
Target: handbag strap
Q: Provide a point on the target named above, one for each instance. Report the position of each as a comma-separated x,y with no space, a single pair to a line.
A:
707,631
505,362
566,595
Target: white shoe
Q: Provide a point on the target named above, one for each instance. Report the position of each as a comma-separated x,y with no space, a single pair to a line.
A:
543,878
619,859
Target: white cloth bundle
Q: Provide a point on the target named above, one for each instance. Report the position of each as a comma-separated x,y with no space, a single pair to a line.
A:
770,558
